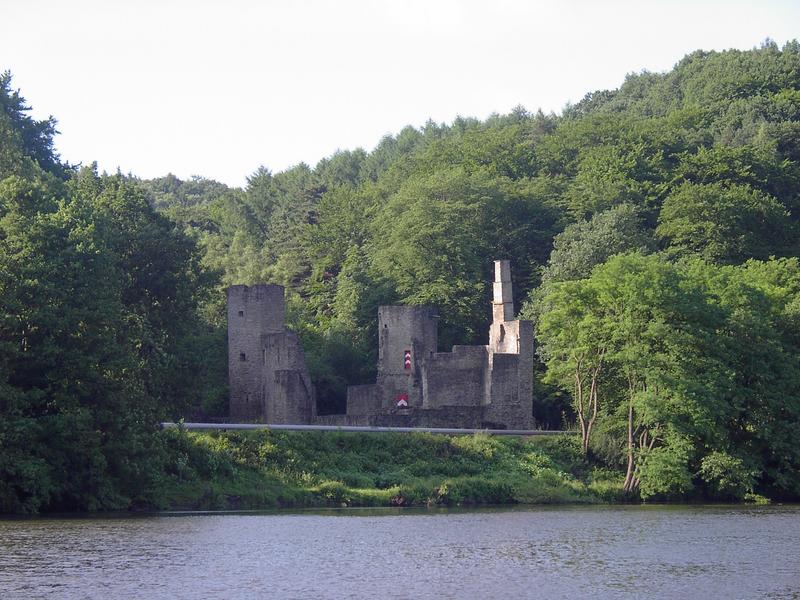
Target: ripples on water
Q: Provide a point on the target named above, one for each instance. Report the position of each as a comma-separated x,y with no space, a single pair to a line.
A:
607,552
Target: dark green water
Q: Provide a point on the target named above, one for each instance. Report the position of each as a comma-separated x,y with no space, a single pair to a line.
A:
606,552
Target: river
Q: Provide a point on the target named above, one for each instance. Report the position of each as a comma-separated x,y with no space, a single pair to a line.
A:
562,552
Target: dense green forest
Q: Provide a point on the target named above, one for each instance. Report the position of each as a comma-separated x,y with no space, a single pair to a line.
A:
653,235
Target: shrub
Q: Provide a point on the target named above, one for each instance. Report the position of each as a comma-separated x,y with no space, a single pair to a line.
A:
334,492
727,477
474,490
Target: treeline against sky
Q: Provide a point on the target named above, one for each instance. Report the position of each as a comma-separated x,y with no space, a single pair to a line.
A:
653,235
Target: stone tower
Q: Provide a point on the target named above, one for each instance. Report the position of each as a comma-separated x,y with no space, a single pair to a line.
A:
407,336
268,378
252,312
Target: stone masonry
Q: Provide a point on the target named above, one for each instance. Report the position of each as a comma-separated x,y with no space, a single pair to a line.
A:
268,378
473,386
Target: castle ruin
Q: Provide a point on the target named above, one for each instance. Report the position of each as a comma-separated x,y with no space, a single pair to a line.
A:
471,387
267,374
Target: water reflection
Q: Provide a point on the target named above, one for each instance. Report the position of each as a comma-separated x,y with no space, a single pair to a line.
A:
620,552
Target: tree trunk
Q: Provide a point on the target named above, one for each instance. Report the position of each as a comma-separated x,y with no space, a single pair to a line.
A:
630,480
581,411
593,406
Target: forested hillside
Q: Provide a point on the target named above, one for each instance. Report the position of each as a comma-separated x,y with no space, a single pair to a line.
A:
653,236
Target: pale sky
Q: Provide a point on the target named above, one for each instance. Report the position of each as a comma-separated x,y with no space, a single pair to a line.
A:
196,87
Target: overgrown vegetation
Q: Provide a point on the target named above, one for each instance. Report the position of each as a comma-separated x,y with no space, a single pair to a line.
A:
281,469
653,233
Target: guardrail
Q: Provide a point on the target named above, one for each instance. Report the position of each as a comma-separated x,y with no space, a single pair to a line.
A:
354,428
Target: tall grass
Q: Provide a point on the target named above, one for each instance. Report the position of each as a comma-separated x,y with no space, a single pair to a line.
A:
264,469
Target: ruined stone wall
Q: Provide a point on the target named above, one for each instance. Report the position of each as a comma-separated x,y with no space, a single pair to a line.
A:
289,399
455,378
510,386
288,392
504,410
363,399
526,362
504,337
252,311
460,417
349,420
457,417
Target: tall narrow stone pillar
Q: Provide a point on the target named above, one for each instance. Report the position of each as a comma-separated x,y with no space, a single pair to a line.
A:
503,296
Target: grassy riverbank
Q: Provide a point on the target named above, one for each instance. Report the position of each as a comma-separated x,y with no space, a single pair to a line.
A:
290,469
